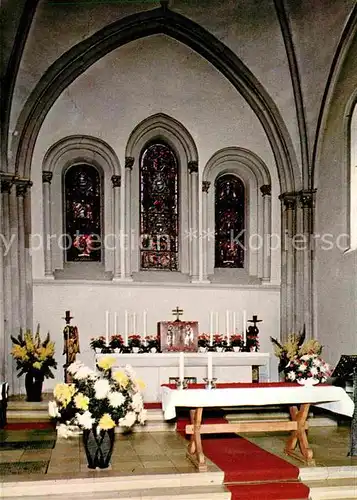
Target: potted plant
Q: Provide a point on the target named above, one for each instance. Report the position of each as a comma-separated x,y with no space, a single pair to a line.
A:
203,342
237,343
152,343
252,343
308,369
35,359
219,342
116,343
98,344
96,402
135,343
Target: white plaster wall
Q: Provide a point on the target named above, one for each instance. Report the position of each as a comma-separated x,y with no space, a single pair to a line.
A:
88,302
145,77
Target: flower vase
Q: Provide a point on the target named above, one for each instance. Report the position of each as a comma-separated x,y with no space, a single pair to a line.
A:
153,349
202,349
33,386
308,382
98,446
236,348
135,350
117,350
219,349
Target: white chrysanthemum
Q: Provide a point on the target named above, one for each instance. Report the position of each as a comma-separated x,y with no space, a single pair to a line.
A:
116,399
142,417
291,375
74,367
82,373
102,388
314,370
53,409
318,362
64,431
302,367
137,402
129,419
85,420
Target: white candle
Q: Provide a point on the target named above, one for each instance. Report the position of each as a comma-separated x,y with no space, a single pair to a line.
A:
145,330
227,323
211,328
234,326
126,327
107,327
209,366
134,324
115,323
181,367
245,325
217,323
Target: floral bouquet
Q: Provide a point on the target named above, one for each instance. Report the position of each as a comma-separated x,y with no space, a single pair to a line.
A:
219,341
116,342
307,366
237,341
135,341
203,340
97,343
152,342
97,400
34,355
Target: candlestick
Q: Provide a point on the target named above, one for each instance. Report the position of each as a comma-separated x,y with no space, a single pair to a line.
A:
145,323
245,326
126,327
211,328
181,367
134,323
107,327
209,366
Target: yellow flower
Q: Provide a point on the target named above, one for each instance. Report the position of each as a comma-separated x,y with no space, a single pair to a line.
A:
64,393
29,341
19,352
81,401
106,422
37,365
141,384
121,378
106,363
46,352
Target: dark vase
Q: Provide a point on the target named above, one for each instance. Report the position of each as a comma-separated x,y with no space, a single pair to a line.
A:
98,447
33,385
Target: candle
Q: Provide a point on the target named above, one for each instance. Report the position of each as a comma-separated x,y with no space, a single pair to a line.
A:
107,327
145,323
227,323
115,323
209,366
134,323
181,367
234,329
245,325
211,328
217,323
126,327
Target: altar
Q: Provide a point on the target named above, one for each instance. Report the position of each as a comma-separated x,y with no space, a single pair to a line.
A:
156,369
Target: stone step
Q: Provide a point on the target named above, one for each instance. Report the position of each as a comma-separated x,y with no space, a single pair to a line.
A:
107,485
216,492
330,483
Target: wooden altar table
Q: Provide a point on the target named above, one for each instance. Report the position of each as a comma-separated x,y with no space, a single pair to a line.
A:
196,397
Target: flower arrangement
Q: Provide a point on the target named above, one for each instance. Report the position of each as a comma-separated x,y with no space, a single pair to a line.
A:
97,342
307,366
116,342
152,342
252,343
219,341
237,341
33,355
97,399
135,341
203,340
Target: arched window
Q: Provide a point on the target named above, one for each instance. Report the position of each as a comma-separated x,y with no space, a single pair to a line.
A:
229,221
82,195
159,208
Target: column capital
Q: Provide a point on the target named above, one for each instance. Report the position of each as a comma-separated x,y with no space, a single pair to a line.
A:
289,200
129,162
47,176
22,186
205,186
193,167
6,185
116,181
266,190
307,197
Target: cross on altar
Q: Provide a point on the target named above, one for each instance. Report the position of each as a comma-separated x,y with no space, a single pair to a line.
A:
178,312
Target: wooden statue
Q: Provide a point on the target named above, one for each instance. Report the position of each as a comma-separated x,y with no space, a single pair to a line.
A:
71,344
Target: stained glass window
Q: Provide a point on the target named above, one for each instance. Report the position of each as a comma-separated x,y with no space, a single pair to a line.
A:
83,213
229,222
159,208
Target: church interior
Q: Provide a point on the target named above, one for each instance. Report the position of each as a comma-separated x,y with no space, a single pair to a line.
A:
180,176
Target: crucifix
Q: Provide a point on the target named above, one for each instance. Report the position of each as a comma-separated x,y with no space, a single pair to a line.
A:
178,312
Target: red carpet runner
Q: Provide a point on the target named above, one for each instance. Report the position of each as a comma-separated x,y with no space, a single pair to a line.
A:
250,473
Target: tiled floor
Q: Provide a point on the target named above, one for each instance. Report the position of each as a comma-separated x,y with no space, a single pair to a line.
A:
157,453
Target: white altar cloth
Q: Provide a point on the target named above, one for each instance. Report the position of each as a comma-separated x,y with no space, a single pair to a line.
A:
330,397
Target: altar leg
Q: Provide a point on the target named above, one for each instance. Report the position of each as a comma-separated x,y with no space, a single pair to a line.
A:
299,435
194,449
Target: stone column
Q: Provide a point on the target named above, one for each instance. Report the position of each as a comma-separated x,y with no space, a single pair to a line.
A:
193,230
266,193
47,245
307,205
127,247
21,188
116,181
288,224
205,229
